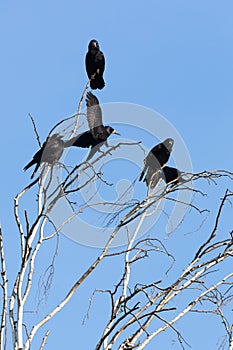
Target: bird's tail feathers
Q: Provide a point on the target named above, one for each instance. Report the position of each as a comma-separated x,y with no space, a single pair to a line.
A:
142,175
97,83
29,165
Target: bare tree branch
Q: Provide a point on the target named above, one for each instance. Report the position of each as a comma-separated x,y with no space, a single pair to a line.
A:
5,295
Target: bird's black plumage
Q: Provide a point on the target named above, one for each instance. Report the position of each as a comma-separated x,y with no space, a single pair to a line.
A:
50,152
95,64
154,178
155,160
171,175
98,133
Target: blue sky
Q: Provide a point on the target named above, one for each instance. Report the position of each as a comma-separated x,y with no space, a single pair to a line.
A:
174,57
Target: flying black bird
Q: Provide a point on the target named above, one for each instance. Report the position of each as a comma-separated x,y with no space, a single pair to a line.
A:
155,160
98,133
50,152
171,175
95,64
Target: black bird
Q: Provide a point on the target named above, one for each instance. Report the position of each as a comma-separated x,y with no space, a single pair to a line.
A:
171,175
155,160
95,64
50,152
98,133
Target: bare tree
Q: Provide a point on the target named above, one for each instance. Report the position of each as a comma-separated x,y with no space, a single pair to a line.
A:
140,311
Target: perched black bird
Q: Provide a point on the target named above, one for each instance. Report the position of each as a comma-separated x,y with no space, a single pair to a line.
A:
171,175
155,160
95,64
98,133
50,152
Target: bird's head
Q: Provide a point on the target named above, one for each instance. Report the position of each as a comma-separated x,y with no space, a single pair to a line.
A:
168,143
110,130
93,44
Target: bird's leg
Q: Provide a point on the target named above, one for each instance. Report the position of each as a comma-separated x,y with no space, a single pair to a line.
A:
93,75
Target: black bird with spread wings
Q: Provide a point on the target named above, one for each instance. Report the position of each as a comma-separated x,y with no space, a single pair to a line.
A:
98,133
155,160
95,64
50,153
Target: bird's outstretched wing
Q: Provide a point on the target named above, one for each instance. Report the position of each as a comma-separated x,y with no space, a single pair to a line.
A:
94,114
83,140
93,151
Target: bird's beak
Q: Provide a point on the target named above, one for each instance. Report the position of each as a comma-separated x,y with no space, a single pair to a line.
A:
171,142
115,132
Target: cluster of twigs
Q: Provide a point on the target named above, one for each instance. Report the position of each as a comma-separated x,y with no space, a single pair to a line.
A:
133,315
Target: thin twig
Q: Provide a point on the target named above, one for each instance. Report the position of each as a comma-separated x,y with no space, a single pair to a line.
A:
35,129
